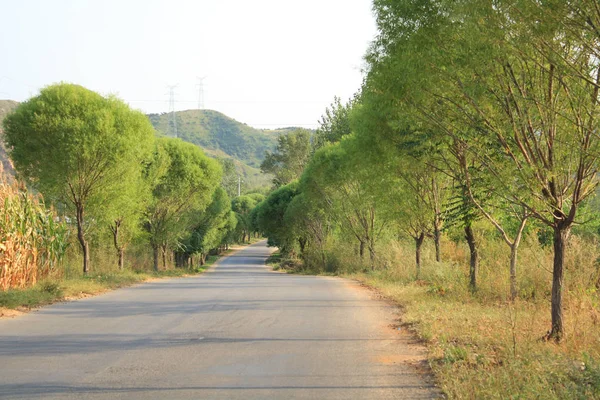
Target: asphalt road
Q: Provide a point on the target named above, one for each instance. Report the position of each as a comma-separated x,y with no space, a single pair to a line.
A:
240,331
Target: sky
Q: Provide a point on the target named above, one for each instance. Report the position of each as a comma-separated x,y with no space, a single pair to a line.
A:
266,63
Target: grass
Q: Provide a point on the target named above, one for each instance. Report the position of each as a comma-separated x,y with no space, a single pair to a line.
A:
481,345
492,351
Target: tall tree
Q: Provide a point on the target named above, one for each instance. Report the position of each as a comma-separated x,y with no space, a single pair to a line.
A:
287,162
335,123
183,180
522,78
79,149
351,188
211,229
243,205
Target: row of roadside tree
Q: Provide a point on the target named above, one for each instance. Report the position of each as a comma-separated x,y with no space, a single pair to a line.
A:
470,111
105,174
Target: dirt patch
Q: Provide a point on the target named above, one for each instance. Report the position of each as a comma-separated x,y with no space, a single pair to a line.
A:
10,313
390,359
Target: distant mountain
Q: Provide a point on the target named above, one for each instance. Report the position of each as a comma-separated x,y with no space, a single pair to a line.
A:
6,106
218,134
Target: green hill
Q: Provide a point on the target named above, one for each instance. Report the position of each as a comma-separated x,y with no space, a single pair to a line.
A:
218,134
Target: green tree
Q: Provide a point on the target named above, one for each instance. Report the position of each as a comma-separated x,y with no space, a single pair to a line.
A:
79,149
270,218
183,180
229,181
310,225
342,179
519,80
212,228
287,162
335,124
243,205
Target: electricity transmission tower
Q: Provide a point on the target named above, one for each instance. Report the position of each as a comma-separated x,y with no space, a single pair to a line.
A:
172,118
200,86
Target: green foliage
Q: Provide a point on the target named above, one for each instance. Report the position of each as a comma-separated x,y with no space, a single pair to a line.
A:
79,149
270,217
183,181
287,162
335,124
229,181
242,206
213,227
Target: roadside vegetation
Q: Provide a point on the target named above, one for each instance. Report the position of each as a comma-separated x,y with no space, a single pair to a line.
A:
100,202
461,181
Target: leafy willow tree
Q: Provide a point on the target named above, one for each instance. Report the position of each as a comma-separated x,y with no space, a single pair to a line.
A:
210,231
243,205
310,226
270,215
124,215
517,83
352,189
287,162
335,123
183,180
81,150
229,181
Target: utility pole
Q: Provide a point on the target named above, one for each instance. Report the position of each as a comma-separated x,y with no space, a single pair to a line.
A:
200,92
172,117
239,185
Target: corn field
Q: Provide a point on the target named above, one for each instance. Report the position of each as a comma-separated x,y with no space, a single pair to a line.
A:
32,241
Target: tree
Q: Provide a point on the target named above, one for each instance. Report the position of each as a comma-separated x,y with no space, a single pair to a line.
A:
211,229
124,215
342,179
519,80
291,155
309,224
229,181
183,180
335,124
270,215
80,150
243,205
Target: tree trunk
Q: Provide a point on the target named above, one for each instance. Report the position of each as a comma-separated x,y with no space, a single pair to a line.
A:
474,260
372,253
418,244
513,271
302,243
120,249
155,256
361,250
437,233
82,241
561,236
164,257
121,254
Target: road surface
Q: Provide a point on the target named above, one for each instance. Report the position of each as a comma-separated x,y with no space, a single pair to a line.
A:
240,331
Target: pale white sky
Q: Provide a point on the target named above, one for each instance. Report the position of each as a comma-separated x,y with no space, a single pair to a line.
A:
268,63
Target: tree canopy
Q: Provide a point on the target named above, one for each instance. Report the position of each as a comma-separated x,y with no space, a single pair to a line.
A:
79,149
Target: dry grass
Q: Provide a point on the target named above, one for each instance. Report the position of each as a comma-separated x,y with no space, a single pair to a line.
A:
482,346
